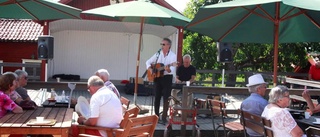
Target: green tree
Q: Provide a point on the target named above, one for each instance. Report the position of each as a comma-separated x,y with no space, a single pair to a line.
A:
246,56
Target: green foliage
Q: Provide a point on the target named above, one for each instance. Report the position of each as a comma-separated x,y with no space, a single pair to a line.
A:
247,56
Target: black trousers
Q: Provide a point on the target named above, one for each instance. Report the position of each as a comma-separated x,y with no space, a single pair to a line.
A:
162,87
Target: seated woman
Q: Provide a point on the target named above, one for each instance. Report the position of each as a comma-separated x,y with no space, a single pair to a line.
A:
7,85
313,108
15,96
283,124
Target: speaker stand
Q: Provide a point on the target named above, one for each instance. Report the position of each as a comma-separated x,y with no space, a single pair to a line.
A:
223,71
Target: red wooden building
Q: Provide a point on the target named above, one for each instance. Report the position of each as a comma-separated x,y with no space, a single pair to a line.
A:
18,38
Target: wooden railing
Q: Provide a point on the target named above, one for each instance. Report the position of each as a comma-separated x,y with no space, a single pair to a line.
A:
214,80
268,76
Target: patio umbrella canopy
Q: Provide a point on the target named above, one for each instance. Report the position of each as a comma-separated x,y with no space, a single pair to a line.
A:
260,21
143,12
37,10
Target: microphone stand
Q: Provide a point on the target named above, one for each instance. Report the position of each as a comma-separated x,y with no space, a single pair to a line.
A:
151,83
154,65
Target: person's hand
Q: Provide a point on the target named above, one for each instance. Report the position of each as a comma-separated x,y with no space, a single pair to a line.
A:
81,119
74,101
305,94
178,81
167,68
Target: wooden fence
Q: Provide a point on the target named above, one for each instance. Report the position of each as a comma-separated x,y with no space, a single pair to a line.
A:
268,76
34,70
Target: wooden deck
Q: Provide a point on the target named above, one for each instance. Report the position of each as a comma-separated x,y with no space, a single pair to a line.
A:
204,121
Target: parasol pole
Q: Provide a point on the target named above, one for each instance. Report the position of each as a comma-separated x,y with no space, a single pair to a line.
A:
138,62
276,42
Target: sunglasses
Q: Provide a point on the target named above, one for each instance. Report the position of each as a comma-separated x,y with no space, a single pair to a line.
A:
162,44
88,88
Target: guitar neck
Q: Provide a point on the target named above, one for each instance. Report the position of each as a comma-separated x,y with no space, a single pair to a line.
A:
162,68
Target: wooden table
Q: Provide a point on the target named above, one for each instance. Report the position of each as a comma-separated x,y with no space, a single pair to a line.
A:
16,123
305,123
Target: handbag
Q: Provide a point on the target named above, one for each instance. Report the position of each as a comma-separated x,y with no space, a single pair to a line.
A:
27,105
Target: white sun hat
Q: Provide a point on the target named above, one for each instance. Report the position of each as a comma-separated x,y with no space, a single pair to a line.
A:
255,80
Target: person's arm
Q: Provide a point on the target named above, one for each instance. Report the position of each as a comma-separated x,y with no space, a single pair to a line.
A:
18,100
192,78
177,79
306,96
292,126
172,67
309,76
90,122
150,61
10,104
296,131
193,75
28,99
316,109
168,69
17,109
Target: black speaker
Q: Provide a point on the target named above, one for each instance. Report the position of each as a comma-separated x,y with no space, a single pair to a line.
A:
45,47
224,52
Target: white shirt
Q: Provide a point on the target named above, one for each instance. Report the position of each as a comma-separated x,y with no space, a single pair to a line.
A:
106,106
281,119
165,60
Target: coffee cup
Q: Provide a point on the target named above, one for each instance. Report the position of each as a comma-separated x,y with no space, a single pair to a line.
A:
307,115
317,120
40,119
188,83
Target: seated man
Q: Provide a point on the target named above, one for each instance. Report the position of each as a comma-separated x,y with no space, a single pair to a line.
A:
185,72
105,76
256,102
105,108
22,81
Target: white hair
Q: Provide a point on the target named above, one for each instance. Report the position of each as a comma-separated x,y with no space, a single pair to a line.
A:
187,56
95,81
277,93
103,73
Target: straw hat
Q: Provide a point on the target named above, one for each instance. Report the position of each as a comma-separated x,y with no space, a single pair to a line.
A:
255,80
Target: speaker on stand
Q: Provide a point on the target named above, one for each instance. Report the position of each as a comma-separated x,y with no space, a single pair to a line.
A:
45,47
224,52
224,56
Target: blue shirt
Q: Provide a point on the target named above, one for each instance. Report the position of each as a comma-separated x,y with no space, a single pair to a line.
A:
254,104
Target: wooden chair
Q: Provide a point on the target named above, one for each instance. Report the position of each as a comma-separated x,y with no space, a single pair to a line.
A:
125,102
252,121
131,113
267,127
140,126
218,108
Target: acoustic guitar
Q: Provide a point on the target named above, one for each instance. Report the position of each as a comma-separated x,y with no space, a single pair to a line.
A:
157,70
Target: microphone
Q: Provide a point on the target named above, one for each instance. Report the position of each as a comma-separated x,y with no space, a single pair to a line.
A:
159,51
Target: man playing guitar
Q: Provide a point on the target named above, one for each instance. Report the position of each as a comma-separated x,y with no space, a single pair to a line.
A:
162,83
